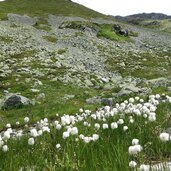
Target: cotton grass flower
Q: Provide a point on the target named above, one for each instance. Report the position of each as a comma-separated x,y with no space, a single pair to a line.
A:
81,110
135,141
131,100
132,164
5,148
114,125
8,125
17,123
133,150
65,135
125,128
105,126
120,121
131,121
86,139
40,132
81,136
144,167
95,137
1,143
33,132
164,137
58,126
26,119
58,146
137,98
45,129
31,141
74,131
97,125
145,115
6,135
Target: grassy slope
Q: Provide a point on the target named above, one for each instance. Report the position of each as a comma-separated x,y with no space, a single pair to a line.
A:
44,7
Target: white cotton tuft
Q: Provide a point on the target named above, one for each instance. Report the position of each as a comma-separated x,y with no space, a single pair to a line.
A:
164,137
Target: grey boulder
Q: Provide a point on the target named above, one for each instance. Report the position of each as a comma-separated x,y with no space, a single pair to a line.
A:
13,101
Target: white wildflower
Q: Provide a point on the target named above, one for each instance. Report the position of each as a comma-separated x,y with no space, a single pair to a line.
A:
135,141
81,136
95,137
144,167
132,164
8,125
120,121
131,100
33,132
86,139
125,128
17,123
114,125
58,146
58,126
164,137
142,100
31,141
137,98
65,135
97,125
81,110
1,143
6,135
5,148
74,131
26,119
40,132
133,150
131,121
105,126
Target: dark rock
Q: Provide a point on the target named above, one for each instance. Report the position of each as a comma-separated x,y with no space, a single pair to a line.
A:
93,100
107,101
118,30
13,101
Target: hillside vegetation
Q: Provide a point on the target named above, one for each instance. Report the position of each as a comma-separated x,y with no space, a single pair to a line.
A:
42,8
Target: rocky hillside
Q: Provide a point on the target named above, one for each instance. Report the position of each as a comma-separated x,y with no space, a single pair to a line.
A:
57,61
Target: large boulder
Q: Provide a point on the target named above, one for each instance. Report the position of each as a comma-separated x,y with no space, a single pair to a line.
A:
13,101
161,81
131,88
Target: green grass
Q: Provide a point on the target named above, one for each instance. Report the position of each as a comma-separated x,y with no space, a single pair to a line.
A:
44,7
109,153
5,39
106,32
50,38
61,51
53,102
42,24
24,53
